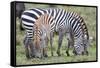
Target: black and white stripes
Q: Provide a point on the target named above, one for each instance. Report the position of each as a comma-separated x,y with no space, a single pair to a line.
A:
69,22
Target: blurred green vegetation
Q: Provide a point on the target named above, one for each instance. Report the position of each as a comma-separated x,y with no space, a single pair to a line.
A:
89,16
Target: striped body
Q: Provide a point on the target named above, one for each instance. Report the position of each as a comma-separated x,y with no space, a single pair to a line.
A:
71,23
61,16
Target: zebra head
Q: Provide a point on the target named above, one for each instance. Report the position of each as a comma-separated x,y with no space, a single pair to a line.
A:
79,49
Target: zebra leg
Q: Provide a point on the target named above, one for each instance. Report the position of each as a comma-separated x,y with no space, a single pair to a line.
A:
27,52
67,51
32,48
69,43
41,51
26,47
85,51
60,42
74,52
45,52
86,46
45,49
51,41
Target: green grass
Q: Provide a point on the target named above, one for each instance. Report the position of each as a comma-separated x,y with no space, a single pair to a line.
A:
21,59
89,15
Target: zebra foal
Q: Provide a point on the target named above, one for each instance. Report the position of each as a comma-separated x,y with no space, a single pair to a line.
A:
43,27
28,19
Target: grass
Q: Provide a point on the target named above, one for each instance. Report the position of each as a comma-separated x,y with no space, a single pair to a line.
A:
21,59
89,15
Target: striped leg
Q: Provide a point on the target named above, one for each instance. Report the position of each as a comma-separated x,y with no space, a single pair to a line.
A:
61,34
70,42
29,47
51,41
26,43
32,49
86,44
45,48
68,46
85,50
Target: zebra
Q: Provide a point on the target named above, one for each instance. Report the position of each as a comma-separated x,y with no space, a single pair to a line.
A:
28,19
70,21
43,27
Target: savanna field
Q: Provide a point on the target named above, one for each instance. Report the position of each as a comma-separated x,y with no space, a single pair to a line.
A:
89,16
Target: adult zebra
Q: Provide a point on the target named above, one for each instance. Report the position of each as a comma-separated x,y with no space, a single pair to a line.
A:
75,27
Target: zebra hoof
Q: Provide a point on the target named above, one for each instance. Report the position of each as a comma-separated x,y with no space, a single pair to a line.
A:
74,52
58,53
28,57
85,53
67,53
33,56
46,56
51,54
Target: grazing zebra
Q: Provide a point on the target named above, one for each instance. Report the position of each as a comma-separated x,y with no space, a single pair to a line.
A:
75,27
43,27
28,19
